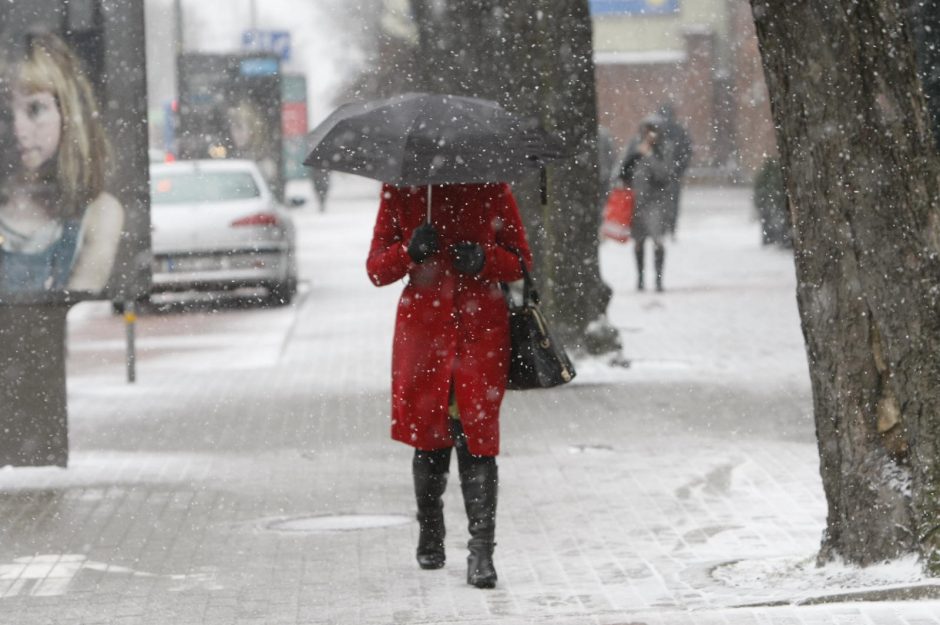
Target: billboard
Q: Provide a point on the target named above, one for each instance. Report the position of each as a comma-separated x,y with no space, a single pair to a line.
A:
633,7
74,206
230,107
294,125
74,197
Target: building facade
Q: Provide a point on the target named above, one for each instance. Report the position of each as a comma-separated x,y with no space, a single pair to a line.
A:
699,55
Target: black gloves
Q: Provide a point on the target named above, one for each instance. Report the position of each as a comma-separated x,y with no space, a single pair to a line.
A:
423,243
468,258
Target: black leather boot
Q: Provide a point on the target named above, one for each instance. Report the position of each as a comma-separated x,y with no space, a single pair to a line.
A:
638,253
430,479
479,483
659,258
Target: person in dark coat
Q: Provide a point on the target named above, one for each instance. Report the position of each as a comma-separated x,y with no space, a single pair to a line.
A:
770,200
450,355
321,186
647,169
675,135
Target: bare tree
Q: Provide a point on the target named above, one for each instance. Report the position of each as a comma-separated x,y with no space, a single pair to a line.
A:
535,58
862,178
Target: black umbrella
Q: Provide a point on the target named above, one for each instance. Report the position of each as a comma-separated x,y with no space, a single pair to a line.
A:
420,138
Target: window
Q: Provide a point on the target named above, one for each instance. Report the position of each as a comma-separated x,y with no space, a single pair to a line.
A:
195,187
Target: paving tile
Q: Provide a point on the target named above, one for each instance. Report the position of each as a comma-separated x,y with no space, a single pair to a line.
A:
622,496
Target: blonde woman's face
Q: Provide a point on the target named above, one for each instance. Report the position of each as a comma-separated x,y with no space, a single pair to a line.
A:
37,124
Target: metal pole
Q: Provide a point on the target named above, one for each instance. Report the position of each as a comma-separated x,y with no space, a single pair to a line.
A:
178,25
130,320
254,14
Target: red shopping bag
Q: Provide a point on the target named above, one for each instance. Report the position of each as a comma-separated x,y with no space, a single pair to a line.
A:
618,215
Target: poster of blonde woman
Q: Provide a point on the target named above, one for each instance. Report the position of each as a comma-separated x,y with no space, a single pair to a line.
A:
60,226
74,198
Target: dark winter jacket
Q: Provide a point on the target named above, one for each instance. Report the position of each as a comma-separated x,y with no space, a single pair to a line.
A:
649,176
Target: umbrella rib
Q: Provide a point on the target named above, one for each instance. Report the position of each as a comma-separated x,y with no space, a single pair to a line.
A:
411,132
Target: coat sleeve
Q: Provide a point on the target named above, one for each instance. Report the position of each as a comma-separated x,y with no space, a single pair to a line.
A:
502,263
625,175
388,258
683,151
660,165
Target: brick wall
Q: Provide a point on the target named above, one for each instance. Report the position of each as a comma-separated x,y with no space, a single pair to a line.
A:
726,110
755,131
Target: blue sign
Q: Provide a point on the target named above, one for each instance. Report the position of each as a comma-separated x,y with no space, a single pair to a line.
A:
633,7
276,42
259,67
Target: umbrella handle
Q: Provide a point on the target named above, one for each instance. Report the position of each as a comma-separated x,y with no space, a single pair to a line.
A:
429,202
543,184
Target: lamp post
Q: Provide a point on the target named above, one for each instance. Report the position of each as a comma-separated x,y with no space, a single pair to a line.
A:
178,26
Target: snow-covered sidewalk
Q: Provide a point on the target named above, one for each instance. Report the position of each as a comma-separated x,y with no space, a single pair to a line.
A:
248,476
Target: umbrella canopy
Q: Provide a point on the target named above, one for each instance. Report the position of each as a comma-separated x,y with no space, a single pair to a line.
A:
420,138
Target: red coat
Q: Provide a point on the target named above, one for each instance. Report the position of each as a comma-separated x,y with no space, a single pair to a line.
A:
450,327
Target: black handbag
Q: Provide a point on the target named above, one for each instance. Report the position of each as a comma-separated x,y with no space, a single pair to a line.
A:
536,359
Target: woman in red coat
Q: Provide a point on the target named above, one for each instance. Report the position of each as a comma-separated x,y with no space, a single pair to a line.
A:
450,355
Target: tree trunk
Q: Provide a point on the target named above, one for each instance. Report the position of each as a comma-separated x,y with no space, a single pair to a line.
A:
535,58
862,181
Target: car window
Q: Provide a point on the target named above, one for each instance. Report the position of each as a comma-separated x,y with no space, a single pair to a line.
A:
203,186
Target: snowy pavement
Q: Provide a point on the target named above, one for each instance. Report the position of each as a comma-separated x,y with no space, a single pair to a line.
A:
248,478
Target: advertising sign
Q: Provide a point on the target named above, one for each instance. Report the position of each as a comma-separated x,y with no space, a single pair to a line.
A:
73,152
276,42
74,197
294,125
230,107
633,7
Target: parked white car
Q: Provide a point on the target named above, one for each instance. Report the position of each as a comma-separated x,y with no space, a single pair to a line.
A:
217,227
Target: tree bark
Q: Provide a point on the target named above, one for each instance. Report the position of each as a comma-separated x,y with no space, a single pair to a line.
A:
862,181
535,58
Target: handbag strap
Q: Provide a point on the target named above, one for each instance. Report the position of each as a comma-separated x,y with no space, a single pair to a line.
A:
529,293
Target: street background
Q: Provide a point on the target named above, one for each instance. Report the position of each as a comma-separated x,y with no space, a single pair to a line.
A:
248,477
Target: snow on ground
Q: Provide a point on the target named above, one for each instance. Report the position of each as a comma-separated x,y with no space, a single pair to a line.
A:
802,580
685,482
